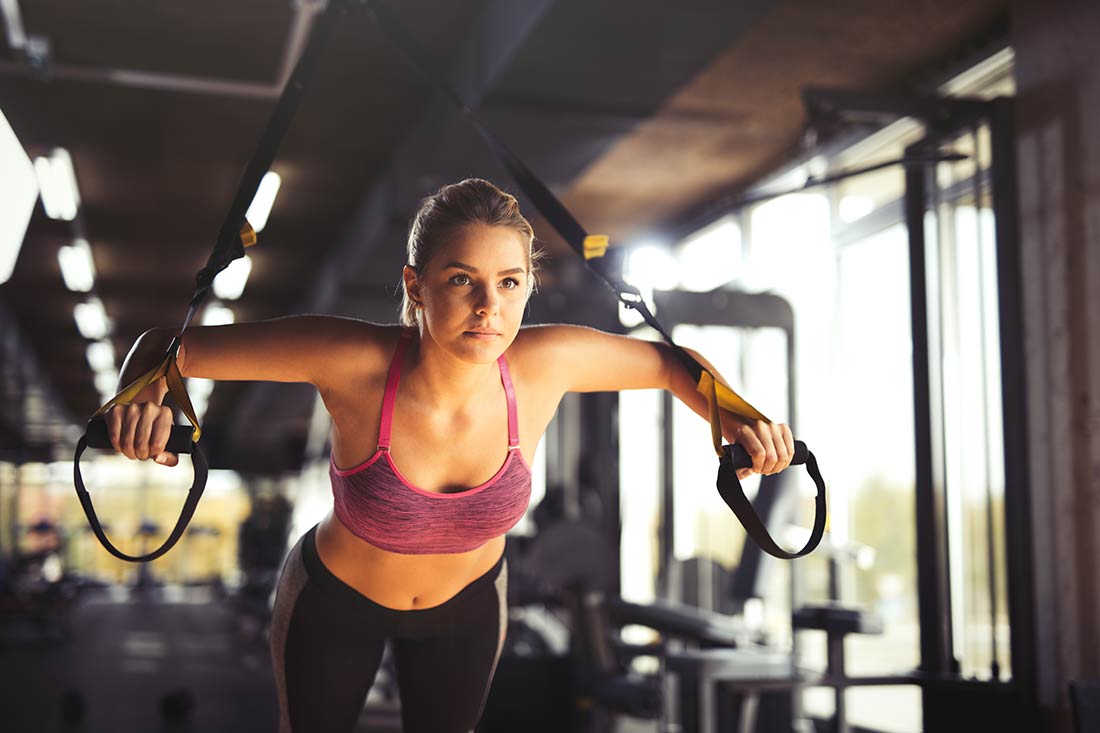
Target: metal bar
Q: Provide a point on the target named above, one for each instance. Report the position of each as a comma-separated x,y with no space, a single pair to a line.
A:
151,80
931,569
977,182
1017,498
668,502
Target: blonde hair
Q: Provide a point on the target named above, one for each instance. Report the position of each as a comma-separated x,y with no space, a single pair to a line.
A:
472,201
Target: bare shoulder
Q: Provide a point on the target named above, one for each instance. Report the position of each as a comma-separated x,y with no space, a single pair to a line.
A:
320,349
540,347
583,359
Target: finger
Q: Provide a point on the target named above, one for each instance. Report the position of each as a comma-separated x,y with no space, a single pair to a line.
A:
126,431
750,441
782,457
788,441
167,459
147,416
114,425
768,464
744,473
158,436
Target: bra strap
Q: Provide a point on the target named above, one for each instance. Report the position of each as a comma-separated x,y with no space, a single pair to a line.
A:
392,379
510,393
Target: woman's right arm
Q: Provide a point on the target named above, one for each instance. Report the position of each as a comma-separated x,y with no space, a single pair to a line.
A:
322,350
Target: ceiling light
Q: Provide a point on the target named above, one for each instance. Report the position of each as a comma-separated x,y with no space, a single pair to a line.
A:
18,192
199,387
101,356
652,265
265,198
229,284
91,319
199,403
216,315
77,267
57,182
106,383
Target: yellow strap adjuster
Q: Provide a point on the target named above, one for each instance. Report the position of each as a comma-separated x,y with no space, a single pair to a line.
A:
248,234
171,373
595,245
717,395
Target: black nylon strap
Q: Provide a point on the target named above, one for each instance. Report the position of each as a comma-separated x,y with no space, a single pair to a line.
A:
189,506
227,248
729,487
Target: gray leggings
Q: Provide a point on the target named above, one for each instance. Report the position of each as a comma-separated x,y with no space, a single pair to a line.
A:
327,641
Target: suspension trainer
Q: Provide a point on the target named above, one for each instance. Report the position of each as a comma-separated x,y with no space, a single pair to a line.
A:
236,234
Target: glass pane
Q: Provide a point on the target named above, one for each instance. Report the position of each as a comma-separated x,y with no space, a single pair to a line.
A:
972,420
854,410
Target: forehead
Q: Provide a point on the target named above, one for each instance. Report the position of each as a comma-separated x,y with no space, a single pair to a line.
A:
493,247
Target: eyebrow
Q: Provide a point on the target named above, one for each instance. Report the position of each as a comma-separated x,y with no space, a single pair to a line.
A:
464,266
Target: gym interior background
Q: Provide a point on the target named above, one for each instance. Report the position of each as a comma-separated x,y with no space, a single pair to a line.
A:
931,328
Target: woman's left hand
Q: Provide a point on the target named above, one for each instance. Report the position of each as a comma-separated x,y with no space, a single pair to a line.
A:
770,445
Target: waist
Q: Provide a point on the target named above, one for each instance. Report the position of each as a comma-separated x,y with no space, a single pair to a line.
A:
396,580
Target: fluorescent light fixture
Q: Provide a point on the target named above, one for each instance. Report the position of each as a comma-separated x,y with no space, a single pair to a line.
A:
101,356
91,319
77,267
57,182
229,284
18,192
196,386
216,314
652,265
199,391
265,198
106,383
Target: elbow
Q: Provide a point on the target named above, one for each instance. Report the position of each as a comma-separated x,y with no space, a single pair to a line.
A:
152,344
154,340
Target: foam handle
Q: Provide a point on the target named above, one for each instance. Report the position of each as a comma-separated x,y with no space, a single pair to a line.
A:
178,442
742,459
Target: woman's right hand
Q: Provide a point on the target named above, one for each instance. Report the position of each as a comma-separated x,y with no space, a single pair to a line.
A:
140,431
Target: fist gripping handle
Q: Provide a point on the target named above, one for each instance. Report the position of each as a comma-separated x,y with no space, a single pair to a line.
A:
96,436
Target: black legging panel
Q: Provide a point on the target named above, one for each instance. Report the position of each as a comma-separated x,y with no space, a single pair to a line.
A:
327,642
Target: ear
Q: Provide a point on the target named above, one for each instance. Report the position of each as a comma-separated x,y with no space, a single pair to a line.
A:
412,283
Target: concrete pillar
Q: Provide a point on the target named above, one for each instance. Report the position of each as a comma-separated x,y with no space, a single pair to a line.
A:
1058,145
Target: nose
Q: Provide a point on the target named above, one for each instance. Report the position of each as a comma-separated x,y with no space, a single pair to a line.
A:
488,301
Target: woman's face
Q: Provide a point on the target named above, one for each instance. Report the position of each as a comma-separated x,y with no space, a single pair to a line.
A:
473,291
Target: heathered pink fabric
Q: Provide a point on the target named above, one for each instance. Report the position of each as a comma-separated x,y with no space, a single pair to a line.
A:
379,505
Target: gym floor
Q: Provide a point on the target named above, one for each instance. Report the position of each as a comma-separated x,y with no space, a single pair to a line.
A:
163,661
172,660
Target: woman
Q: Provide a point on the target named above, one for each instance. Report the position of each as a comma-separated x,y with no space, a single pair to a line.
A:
427,474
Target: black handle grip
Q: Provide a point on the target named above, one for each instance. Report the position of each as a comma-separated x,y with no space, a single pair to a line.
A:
96,435
742,459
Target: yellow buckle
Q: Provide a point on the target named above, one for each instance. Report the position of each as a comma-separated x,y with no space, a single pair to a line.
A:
595,245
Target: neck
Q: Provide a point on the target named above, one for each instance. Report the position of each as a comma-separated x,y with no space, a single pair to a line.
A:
441,380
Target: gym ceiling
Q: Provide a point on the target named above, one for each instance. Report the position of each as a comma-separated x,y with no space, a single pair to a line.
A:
636,112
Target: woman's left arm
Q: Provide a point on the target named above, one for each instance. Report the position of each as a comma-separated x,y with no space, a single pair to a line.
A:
594,361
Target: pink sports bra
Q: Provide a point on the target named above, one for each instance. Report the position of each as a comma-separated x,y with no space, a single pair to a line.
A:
377,504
